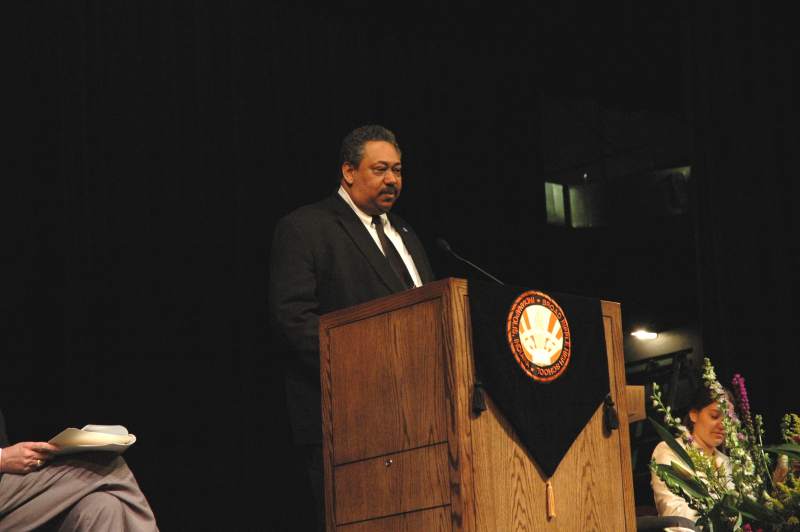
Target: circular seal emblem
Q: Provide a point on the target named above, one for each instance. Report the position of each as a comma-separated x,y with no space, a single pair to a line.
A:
538,335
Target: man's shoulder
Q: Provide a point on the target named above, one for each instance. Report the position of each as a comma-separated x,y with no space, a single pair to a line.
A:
314,212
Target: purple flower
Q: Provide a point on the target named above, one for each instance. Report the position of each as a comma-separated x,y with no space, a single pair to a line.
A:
740,393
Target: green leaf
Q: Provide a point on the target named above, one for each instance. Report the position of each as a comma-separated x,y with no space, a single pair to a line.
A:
672,442
792,450
690,486
756,511
716,520
728,503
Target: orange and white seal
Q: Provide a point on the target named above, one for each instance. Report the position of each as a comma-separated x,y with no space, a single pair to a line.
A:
538,335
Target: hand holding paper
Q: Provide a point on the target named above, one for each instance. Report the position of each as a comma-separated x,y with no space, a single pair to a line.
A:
113,438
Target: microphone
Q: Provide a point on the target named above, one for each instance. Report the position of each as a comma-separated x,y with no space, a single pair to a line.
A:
444,246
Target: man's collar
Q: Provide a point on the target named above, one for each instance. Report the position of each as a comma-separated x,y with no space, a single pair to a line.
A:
364,217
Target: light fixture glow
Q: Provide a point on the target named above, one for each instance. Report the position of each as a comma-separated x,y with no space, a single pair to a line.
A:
642,334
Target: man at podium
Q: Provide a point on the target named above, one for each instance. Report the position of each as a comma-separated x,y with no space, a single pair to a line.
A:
339,252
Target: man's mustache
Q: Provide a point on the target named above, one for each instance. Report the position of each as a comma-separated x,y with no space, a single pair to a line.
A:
389,190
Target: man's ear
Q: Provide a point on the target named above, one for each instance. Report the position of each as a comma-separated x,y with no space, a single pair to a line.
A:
347,173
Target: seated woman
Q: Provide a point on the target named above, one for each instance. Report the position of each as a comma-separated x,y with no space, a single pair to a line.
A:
704,422
87,491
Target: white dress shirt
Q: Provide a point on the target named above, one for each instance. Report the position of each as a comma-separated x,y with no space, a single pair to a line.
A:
391,234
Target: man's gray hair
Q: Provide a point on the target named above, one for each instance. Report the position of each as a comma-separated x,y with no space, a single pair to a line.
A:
353,144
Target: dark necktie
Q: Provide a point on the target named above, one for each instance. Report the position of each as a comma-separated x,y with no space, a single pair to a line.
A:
392,255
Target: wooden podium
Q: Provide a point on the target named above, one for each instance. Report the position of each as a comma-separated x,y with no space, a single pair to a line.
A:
403,450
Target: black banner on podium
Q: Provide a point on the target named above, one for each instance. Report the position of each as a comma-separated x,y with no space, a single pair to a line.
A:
541,357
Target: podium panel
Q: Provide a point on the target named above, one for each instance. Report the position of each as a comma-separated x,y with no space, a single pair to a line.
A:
393,484
388,390
434,520
404,451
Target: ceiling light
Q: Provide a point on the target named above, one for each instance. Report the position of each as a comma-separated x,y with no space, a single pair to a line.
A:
643,334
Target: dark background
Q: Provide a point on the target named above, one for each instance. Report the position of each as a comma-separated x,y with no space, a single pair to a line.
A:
154,145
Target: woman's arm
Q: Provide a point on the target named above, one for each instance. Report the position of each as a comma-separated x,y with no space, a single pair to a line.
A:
667,502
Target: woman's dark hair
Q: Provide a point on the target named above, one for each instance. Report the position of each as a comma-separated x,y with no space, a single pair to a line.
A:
701,398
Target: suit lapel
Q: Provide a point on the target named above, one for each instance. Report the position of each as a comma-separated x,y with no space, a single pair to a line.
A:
355,228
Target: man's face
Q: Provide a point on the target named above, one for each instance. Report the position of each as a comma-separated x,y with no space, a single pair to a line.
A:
375,185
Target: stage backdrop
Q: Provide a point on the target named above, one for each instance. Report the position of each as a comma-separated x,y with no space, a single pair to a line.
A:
155,144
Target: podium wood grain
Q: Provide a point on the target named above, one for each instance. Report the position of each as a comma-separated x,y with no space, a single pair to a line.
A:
433,520
392,383
397,376
393,484
637,410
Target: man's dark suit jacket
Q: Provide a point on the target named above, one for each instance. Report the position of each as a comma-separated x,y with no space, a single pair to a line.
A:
324,259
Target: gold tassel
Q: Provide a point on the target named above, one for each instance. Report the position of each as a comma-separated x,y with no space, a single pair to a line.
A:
551,501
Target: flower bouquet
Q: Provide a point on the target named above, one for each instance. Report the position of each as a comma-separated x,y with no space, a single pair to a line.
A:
748,497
